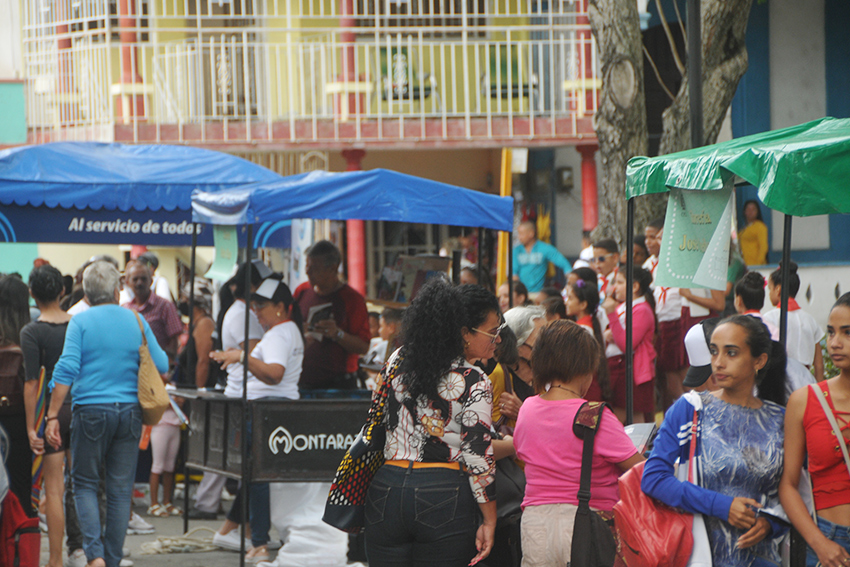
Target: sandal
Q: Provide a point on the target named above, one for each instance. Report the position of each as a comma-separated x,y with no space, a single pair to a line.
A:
172,510
157,511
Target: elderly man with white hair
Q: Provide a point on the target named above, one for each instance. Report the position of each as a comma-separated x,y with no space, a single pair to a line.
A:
526,323
99,366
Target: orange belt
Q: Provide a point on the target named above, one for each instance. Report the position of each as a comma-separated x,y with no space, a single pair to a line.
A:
421,465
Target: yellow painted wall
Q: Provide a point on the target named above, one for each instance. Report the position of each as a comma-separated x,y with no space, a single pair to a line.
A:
68,258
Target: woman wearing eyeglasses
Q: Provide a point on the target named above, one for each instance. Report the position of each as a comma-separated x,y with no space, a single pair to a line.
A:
424,505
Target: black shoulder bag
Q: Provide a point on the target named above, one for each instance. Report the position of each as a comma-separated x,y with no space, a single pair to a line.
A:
593,542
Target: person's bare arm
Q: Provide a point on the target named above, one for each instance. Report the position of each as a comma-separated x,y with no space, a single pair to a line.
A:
829,553
630,462
717,301
202,336
51,430
266,373
30,399
349,341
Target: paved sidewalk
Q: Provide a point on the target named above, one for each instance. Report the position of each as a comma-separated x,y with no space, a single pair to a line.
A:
171,526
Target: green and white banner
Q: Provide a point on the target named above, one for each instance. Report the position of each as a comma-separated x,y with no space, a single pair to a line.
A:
695,244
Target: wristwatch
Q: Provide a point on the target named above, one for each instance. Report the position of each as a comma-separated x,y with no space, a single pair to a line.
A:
339,334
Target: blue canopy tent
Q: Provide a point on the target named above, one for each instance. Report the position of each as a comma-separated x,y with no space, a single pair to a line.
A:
96,193
378,194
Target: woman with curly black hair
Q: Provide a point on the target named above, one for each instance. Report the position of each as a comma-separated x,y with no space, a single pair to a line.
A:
421,506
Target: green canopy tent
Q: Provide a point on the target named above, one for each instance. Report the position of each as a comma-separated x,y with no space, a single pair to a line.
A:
799,171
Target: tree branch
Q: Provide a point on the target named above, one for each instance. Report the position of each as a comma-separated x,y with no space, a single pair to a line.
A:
658,74
681,22
679,65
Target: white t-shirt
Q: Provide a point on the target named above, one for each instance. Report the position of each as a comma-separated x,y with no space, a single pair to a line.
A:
668,302
694,309
802,335
282,344
79,307
233,333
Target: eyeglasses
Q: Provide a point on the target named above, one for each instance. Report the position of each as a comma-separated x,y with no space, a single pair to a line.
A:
492,336
601,259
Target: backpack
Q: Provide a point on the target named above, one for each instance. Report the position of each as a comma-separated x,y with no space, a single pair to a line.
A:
20,537
11,380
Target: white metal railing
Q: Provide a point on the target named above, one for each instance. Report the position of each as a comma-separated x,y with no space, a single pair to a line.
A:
287,62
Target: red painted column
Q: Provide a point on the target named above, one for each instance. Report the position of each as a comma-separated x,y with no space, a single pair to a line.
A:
355,233
129,60
589,191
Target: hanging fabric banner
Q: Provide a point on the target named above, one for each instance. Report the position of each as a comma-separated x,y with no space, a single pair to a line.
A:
226,250
695,244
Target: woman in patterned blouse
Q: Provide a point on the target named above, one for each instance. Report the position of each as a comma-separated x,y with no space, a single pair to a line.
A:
421,506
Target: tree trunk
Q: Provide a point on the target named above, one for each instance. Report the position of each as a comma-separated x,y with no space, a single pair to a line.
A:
621,117
724,62
622,133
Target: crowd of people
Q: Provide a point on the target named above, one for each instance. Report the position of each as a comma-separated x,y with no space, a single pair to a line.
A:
552,350
76,358
474,378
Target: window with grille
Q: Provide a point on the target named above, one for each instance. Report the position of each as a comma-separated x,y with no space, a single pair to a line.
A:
87,15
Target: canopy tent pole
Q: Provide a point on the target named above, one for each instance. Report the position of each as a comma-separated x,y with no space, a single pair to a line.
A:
630,276
245,426
191,362
510,270
480,257
785,274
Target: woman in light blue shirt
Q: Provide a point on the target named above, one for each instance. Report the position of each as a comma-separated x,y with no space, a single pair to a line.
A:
99,366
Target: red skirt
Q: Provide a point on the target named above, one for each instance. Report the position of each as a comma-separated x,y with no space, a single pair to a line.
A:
644,394
670,346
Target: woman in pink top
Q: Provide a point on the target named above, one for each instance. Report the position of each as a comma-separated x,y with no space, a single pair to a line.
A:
643,337
565,358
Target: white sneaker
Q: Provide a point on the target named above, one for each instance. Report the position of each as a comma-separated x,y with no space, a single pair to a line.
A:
125,563
137,526
76,559
230,540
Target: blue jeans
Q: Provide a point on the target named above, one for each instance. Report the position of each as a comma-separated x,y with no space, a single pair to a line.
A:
104,436
834,532
420,517
259,512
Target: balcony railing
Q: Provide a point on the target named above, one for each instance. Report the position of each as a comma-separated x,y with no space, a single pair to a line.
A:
299,73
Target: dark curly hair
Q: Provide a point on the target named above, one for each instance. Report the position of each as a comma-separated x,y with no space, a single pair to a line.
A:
478,303
432,332
46,283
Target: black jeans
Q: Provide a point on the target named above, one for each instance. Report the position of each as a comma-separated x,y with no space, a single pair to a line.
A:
421,517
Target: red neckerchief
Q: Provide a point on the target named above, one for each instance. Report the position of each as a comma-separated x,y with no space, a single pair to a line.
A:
586,321
653,266
793,305
755,312
606,280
